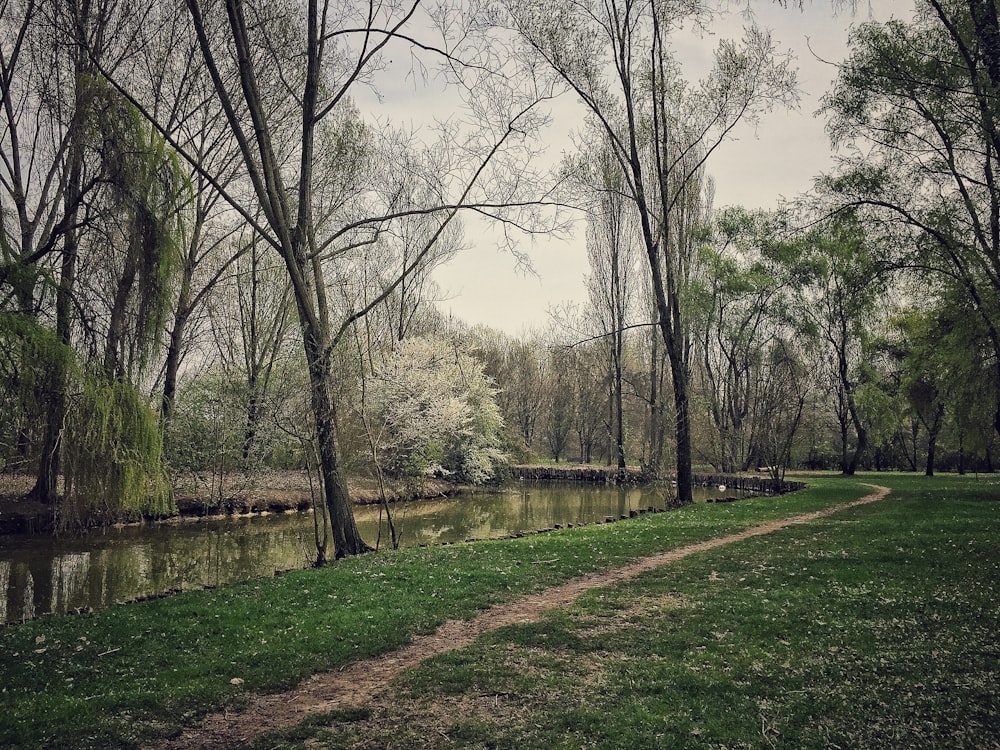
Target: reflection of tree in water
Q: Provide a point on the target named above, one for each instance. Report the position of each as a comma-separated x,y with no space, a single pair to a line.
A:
19,593
111,566
28,608
69,581
123,570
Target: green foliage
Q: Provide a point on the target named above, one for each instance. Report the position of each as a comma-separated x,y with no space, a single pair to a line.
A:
208,429
915,110
149,186
112,451
207,425
942,355
879,409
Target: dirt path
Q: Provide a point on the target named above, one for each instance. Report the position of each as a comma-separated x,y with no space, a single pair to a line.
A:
358,683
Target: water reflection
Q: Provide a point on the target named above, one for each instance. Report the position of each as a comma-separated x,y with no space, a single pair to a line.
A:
40,575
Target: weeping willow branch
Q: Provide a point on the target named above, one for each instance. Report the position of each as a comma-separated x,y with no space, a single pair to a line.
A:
113,457
149,190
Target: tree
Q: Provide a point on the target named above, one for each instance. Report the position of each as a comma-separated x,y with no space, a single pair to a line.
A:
260,56
590,369
915,105
43,82
523,384
253,328
612,237
180,95
616,59
436,414
740,293
840,301
114,443
97,202
939,357
558,402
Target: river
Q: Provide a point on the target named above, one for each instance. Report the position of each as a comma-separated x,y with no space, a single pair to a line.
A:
47,574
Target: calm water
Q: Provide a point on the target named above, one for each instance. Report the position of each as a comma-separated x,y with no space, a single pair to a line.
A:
43,574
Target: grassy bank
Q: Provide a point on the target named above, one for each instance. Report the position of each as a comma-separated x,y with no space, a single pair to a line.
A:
890,610
210,494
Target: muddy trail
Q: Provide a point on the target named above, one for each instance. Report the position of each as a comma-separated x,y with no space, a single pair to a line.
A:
359,683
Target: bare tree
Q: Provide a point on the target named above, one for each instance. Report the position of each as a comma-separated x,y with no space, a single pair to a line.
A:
616,58
261,54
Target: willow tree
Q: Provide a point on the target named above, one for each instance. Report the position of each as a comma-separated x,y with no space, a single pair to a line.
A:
113,443
42,188
616,57
914,110
87,219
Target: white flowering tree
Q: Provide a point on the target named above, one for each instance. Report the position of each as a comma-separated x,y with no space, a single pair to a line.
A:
434,413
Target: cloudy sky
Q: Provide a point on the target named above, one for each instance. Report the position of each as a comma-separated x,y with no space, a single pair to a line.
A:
780,158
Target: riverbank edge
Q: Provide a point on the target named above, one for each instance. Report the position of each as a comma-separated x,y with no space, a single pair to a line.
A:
742,483
236,495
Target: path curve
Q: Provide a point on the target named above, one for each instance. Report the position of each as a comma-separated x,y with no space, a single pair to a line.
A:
357,683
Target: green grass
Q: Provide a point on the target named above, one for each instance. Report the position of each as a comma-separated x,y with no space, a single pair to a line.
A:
886,613
877,627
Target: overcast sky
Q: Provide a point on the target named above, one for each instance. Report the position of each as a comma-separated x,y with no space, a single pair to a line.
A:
756,170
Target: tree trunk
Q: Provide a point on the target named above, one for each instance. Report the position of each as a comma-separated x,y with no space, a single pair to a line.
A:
49,465
114,361
347,538
171,367
844,462
657,417
931,450
685,475
619,417
182,314
933,430
254,399
859,450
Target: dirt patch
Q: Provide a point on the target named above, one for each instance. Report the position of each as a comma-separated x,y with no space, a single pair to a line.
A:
358,684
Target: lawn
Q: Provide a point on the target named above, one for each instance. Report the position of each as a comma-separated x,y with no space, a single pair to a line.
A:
876,626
